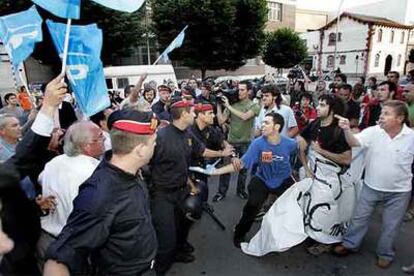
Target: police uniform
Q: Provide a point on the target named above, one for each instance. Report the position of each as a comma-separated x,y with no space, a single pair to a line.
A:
110,221
169,174
210,136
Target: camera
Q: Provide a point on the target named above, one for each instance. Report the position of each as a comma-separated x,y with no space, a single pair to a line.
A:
231,94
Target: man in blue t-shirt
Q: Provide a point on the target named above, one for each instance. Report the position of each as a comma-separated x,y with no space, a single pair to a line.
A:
271,152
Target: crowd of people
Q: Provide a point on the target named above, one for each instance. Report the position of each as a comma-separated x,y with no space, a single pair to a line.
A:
118,193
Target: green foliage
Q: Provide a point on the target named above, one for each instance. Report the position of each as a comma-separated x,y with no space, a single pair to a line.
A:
284,49
222,34
121,31
411,56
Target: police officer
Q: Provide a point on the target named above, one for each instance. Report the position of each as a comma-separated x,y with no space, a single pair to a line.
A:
170,185
204,130
111,221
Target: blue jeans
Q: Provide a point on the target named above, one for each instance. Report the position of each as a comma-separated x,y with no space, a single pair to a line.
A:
395,205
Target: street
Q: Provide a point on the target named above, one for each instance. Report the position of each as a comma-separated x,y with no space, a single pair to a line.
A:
216,255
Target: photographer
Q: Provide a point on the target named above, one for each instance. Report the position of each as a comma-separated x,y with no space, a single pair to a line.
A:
241,115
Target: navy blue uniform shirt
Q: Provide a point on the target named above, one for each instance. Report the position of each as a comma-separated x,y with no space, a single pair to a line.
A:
172,156
111,223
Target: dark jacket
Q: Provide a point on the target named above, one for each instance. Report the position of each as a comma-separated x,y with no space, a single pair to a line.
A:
19,215
111,223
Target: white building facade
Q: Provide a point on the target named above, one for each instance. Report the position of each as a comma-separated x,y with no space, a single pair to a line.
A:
367,45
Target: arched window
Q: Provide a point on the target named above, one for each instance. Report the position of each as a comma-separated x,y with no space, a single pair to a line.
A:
330,61
402,37
342,59
399,60
392,37
377,59
379,38
332,39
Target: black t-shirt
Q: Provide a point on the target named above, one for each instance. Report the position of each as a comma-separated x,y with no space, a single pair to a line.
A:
330,138
172,156
353,110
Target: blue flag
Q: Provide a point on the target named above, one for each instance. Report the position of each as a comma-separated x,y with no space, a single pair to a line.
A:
121,5
84,66
176,43
61,8
19,33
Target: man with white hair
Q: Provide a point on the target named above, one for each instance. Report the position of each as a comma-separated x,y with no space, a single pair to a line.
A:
62,176
10,133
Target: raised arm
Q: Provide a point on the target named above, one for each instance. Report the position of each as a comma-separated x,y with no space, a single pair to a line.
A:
349,136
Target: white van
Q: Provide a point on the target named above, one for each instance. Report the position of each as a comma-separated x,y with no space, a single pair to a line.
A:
118,77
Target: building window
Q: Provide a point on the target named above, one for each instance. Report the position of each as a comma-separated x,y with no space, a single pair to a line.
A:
122,83
342,59
339,37
330,61
402,37
377,58
332,39
379,39
399,60
275,11
392,37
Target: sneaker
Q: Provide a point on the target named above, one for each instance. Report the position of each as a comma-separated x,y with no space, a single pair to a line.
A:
260,215
218,197
319,249
383,263
242,195
408,269
182,257
341,250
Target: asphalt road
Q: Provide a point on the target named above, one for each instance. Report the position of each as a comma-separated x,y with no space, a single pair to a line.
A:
216,255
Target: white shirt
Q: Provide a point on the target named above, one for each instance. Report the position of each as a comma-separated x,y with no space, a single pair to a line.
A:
388,161
285,111
62,177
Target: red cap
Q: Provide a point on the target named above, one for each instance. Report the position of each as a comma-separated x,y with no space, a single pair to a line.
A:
137,127
203,107
182,103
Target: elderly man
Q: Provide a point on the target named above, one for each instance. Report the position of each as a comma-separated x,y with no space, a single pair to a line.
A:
62,176
10,133
389,154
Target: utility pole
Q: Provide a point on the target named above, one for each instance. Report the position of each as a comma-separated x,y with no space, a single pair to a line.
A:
147,33
336,33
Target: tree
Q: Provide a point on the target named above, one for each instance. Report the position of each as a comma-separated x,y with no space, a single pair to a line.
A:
284,49
222,34
411,56
121,31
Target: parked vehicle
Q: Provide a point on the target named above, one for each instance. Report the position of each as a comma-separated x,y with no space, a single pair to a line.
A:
119,77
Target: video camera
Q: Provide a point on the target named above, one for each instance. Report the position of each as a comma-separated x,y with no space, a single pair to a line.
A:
230,93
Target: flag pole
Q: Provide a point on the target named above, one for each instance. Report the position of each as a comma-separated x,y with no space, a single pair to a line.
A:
31,97
66,46
158,59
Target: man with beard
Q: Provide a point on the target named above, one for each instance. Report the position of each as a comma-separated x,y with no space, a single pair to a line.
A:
324,138
272,102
